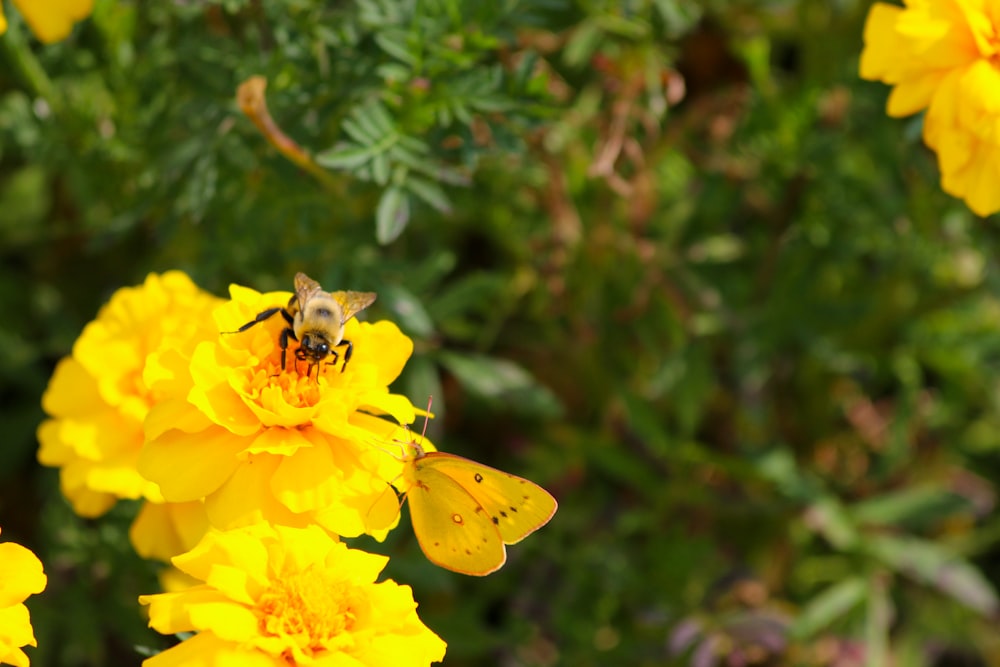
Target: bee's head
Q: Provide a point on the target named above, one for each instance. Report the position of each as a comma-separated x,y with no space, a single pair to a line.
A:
316,346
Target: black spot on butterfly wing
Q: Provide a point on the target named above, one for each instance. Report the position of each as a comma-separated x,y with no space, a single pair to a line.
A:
469,544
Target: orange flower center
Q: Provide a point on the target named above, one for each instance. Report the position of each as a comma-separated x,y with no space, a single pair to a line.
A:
266,382
310,609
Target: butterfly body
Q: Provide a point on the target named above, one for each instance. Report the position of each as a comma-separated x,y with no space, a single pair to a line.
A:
464,512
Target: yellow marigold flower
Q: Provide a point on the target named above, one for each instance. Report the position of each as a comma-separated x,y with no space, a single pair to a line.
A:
275,596
50,20
944,56
99,396
262,443
163,530
20,576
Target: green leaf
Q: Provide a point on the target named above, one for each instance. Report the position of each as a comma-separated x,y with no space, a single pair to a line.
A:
392,215
429,192
935,566
199,189
778,466
412,160
393,42
422,380
501,380
828,517
345,156
375,120
582,44
360,133
393,72
413,318
907,505
825,608
380,168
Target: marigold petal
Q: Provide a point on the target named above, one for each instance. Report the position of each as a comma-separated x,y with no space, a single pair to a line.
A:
272,409
383,515
169,613
981,191
118,476
229,621
215,451
359,566
306,481
380,344
880,57
278,441
213,394
396,406
85,502
963,126
22,574
10,655
15,632
170,414
164,530
345,519
981,26
913,95
246,498
72,391
241,548
235,582
52,20
173,580
207,650
53,448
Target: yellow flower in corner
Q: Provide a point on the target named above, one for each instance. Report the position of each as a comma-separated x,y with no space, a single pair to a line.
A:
50,20
100,395
272,596
944,56
20,576
291,446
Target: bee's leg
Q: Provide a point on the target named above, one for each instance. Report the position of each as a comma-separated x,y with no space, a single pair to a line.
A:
347,353
261,316
286,333
300,355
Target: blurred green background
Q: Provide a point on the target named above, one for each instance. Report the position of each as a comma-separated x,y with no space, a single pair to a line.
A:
669,259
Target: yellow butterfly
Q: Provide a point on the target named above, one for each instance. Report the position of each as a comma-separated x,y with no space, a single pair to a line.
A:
463,512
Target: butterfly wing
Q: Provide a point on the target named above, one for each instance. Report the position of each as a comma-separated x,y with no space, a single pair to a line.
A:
353,303
453,529
516,506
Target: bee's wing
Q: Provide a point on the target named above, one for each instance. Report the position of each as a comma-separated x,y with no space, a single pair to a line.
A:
305,288
353,302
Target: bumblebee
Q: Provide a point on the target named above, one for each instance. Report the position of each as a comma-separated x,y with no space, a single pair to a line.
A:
316,320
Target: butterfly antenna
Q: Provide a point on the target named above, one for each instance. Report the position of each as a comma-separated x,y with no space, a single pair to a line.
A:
410,441
423,433
378,443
